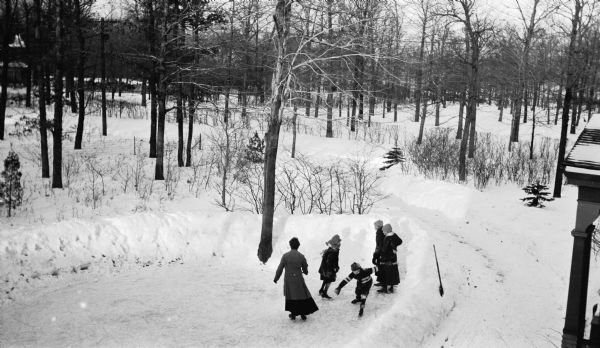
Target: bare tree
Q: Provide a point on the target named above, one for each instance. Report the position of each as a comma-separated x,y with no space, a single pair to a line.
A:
280,82
569,83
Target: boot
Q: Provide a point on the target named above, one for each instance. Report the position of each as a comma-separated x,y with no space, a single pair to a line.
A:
383,290
303,317
391,289
356,300
324,295
292,316
360,311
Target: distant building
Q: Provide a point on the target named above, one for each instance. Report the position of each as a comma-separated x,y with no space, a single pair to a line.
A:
17,68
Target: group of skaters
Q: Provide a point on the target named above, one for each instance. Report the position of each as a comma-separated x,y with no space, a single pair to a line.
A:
298,300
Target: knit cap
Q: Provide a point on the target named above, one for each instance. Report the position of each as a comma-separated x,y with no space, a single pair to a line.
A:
334,242
378,223
387,228
354,266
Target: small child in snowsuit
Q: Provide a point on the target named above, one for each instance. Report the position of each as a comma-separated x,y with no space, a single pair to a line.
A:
363,284
329,264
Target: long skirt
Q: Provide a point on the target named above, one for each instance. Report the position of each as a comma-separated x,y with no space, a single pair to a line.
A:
390,274
301,307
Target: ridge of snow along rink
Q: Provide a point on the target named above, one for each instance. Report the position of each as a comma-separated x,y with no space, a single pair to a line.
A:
407,317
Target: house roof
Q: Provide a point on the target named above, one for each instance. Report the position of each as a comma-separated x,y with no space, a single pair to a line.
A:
15,64
584,157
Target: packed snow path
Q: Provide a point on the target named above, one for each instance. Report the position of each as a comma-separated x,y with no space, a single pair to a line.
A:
223,297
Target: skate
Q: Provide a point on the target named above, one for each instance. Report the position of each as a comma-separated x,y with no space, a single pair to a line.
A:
360,311
355,301
324,295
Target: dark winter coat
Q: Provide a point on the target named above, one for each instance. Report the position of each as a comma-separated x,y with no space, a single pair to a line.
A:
363,280
389,248
379,236
294,264
389,260
329,264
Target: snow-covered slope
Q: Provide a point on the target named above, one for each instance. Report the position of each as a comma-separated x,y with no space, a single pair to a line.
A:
501,265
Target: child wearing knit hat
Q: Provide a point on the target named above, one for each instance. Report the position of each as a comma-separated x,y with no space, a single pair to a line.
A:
329,264
363,284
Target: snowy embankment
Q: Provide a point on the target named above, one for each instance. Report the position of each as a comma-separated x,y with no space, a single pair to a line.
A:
227,243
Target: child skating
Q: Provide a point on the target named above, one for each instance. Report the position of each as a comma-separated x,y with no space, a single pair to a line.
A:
363,284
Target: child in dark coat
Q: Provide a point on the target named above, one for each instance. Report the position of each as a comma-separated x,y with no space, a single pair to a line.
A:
329,264
379,236
363,284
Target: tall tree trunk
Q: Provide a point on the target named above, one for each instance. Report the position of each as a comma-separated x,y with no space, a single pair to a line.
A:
72,90
153,80
329,127
579,105
179,40
461,113
372,102
318,100
294,130
103,76
80,76
281,18
191,116
516,122
152,84
162,96
41,82
160,131
574,102
501,107
423,117
58,103
28,53
525,104
144,91
472,100
419,86
308,100
437,106
531,144
558,102
569,84
5,61
179,111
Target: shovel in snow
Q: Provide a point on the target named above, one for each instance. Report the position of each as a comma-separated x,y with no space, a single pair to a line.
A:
438,270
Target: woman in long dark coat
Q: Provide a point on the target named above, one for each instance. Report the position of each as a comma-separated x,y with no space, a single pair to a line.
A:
389,260
298,300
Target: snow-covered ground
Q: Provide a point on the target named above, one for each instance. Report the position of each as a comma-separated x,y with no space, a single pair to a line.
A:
186,273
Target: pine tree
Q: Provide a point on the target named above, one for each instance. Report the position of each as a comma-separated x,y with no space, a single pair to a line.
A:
537,195
393,157
255,149
11,192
